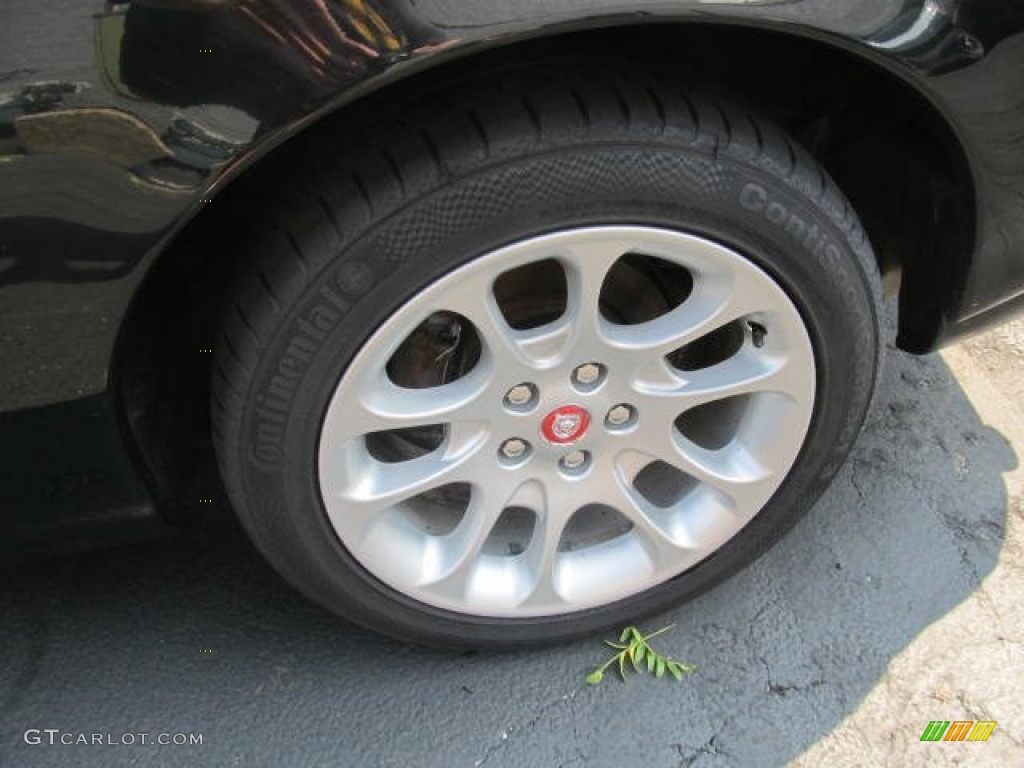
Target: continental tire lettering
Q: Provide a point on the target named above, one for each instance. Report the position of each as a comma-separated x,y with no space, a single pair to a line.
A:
301,348
282,387
334,299
267,451
274,402
290,367
775,213
755,198
324,318
796,227
270,409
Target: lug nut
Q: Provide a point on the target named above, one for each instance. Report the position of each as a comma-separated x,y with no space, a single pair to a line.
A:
521,394
574,460
514,448
619,415
588,374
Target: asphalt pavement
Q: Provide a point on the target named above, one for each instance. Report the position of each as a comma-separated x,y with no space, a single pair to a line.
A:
894,603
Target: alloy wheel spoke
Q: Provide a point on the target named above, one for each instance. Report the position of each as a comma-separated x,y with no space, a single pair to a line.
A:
729,470
586,267
658,542
475,300
384,406
451,565
696,317
742,374
374,486
542,558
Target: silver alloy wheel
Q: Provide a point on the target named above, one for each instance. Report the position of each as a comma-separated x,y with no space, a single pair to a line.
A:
634,496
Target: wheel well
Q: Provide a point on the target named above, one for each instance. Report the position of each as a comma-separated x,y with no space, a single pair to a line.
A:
888,148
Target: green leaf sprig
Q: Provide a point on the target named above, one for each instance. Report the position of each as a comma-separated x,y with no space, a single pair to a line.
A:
633,648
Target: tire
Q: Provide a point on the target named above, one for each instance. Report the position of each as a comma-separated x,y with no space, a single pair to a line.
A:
454,459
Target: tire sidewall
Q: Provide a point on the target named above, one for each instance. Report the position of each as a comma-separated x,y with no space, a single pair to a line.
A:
805,246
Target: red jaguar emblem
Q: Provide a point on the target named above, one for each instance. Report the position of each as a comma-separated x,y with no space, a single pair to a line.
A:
565,425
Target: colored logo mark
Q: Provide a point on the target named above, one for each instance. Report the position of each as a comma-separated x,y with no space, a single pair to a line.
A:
958,730
565,425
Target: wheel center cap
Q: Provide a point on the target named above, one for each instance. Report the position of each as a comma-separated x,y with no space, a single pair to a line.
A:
564,425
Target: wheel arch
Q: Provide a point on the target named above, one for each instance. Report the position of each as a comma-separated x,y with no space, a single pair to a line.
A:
161,368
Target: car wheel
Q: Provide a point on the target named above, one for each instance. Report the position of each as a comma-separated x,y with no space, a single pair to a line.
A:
540,356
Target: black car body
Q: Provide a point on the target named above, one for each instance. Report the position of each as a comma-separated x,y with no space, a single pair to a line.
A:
132,134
